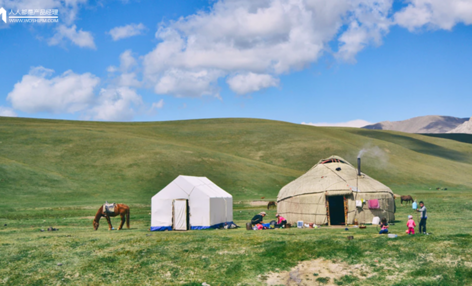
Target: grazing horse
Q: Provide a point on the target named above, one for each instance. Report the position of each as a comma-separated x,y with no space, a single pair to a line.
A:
270,204
406,199
120,209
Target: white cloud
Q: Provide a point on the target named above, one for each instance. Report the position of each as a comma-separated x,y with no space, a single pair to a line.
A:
80,38
127,61
367,23
119,101
251,82
356,38
127,31
7,112
128,79
39,92
183,83
127,76
112,69
116,104
353,123
259,37
157,105
435,14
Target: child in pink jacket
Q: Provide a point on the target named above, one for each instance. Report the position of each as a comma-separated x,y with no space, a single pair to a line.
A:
411,225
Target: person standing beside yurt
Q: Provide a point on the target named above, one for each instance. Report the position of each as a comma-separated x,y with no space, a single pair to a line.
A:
424,217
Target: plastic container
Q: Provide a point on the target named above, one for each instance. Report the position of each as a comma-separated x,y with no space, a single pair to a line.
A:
300,224
376,220
391,235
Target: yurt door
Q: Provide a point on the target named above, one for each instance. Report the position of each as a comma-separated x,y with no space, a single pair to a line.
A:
180,215
336,210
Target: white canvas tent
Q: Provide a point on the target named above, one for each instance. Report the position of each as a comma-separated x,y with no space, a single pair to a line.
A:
191,203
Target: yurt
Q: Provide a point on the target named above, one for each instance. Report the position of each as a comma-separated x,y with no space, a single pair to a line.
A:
191,203
333,192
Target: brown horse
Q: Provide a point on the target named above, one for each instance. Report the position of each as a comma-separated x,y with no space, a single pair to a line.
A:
406,199
270,204
120,209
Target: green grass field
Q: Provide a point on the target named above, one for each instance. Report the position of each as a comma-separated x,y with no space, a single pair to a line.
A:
57,173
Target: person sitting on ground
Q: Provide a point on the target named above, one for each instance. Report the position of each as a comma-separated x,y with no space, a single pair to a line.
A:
411,225
422,210
258,218
281,221
383,226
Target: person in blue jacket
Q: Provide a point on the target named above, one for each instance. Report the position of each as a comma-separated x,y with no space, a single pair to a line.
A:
424,217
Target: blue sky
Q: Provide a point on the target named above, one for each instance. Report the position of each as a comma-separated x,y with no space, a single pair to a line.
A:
296,61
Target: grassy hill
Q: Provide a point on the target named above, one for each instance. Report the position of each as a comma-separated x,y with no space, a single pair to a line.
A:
57,173
73,162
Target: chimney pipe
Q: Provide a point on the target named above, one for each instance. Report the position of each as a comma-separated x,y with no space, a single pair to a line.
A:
359,166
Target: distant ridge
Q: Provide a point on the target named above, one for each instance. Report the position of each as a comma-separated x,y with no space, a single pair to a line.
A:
465,127
421,124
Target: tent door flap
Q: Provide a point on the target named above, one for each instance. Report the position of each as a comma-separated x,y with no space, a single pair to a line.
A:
180,215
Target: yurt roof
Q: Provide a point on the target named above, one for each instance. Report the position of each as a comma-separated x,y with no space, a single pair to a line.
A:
334,176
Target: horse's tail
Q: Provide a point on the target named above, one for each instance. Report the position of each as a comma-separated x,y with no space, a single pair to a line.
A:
127,220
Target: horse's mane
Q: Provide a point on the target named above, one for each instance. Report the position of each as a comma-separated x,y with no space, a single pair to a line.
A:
99,214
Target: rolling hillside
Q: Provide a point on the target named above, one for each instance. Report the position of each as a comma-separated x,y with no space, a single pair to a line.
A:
59,163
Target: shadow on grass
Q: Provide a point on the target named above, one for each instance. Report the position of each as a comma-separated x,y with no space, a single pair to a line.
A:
416,145
464,138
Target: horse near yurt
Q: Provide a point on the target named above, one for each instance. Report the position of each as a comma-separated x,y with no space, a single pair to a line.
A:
112,210
407,199
271,204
